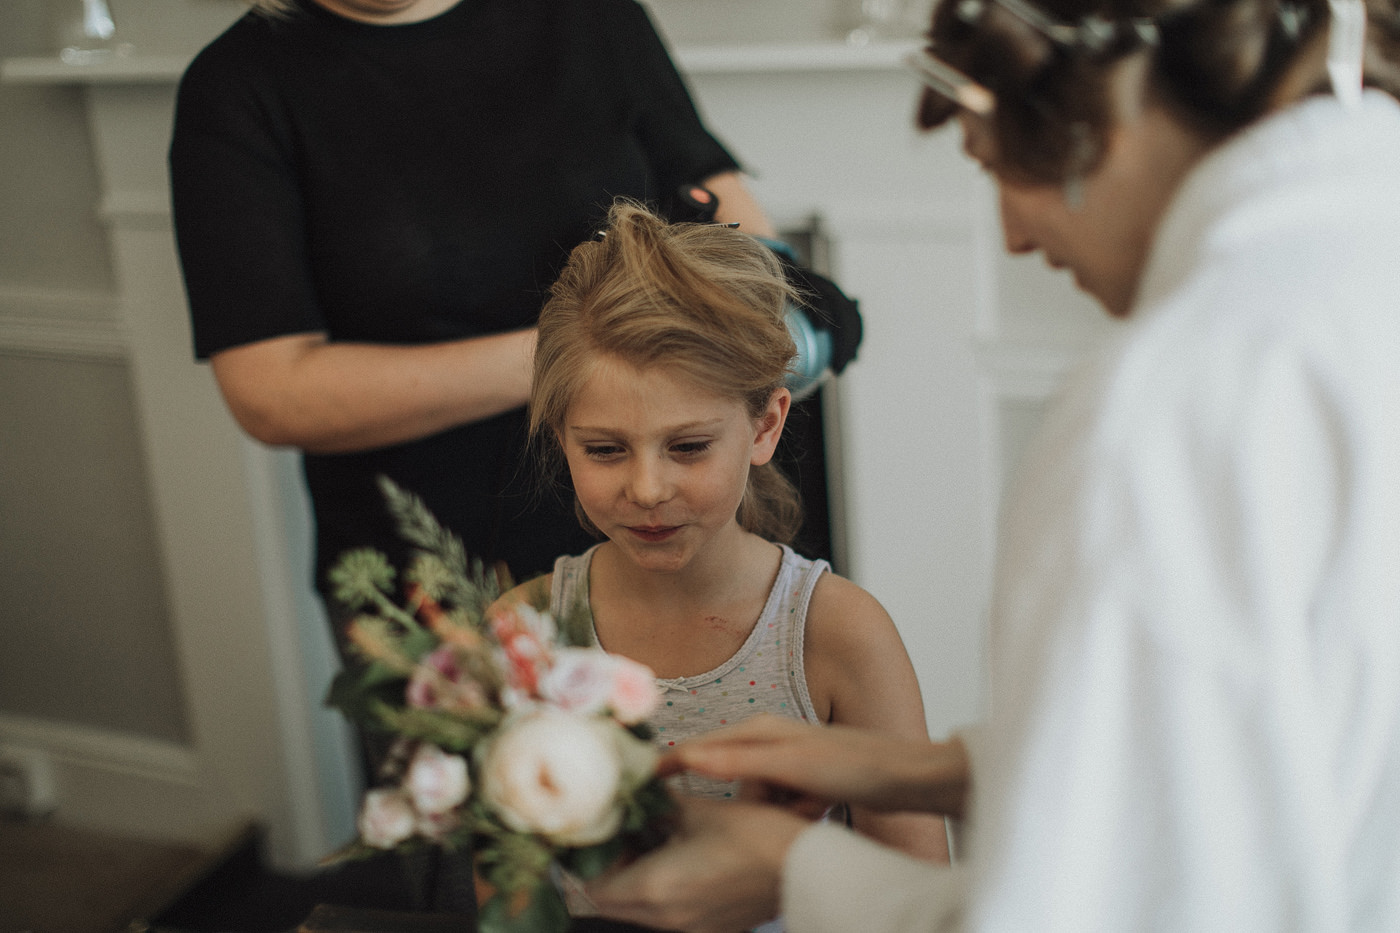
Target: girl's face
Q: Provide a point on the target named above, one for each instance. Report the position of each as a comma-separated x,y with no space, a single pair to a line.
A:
659,464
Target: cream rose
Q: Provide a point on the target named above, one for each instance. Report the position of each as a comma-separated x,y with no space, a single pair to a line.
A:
436,782
559,774
386,818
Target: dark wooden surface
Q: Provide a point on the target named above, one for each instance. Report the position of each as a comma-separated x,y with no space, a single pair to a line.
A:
329,918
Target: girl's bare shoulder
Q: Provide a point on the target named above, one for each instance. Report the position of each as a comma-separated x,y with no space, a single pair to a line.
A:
533,592
842,604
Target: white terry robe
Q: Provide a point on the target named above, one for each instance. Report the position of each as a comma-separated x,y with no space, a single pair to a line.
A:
1195,639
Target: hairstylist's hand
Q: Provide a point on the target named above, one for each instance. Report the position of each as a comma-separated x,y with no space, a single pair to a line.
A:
830,764
721,871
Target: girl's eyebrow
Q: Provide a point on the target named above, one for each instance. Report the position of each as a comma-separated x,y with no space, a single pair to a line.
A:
676,429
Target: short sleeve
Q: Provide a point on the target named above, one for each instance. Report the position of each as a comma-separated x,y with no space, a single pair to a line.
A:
238,214
680,147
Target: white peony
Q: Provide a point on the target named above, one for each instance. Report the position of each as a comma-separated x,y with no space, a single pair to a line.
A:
560,774
436,782
386,818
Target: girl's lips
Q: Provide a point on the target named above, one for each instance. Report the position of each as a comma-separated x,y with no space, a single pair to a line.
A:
653,534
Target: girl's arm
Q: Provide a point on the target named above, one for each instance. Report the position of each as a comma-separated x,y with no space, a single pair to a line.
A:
860,675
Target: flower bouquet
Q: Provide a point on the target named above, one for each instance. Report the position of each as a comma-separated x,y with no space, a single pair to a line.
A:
512,740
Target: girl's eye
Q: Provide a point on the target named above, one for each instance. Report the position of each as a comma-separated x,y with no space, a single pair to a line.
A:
601,451
691,448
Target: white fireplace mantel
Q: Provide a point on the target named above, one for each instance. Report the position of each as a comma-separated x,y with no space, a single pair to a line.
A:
770,58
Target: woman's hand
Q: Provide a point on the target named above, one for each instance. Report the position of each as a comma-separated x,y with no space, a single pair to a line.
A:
784,761
720,871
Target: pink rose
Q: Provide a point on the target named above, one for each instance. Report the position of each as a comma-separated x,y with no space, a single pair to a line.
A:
386,818
435,827
436,782
634,691
587,680
526,637
580,681
439,682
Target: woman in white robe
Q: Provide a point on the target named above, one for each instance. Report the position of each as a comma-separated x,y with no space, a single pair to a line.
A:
1195,637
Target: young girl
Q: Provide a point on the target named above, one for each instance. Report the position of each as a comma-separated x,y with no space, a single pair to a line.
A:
659,378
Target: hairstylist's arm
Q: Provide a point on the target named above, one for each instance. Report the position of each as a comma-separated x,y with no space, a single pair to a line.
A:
832,763
737,204
327,397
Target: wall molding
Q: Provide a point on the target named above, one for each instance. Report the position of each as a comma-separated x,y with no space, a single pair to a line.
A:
166,790
102,750
136,208
62,324
906,220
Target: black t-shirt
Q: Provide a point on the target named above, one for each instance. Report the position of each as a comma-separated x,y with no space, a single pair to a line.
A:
417,183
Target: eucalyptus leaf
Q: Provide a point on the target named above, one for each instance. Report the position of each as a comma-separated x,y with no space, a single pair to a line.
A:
592,861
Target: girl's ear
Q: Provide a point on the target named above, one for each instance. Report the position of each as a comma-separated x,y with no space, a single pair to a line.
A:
769,427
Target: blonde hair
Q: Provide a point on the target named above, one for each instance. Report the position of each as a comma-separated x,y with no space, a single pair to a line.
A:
703,300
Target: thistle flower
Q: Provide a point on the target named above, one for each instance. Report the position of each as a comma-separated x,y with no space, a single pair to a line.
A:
430,576
361,578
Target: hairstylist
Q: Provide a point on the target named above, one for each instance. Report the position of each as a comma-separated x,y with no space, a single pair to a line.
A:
1195,668
371,198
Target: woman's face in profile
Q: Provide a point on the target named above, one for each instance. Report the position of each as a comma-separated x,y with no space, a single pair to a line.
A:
1039,218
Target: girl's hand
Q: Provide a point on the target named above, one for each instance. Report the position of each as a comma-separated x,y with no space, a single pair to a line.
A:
782,760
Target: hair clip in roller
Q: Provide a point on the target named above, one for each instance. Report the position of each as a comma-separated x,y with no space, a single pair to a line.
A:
951,83
1346,42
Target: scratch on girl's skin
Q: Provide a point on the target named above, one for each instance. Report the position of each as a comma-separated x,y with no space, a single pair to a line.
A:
719,622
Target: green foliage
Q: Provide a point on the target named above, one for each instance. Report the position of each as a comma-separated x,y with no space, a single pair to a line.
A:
457,731
592,861
576,626
357,689
543,911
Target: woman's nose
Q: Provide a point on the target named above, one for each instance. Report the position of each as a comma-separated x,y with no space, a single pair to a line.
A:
1017,242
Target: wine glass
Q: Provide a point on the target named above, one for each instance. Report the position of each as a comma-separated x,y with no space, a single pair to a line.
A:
88,35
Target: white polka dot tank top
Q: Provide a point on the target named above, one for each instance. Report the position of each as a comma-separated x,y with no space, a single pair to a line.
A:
765,675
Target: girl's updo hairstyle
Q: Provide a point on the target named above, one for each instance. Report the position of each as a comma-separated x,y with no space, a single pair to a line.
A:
1217,65
705,301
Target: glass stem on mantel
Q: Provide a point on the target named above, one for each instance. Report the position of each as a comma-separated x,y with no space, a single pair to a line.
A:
90,35
890,19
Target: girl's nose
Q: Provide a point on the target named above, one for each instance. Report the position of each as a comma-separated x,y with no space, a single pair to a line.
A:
648,484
